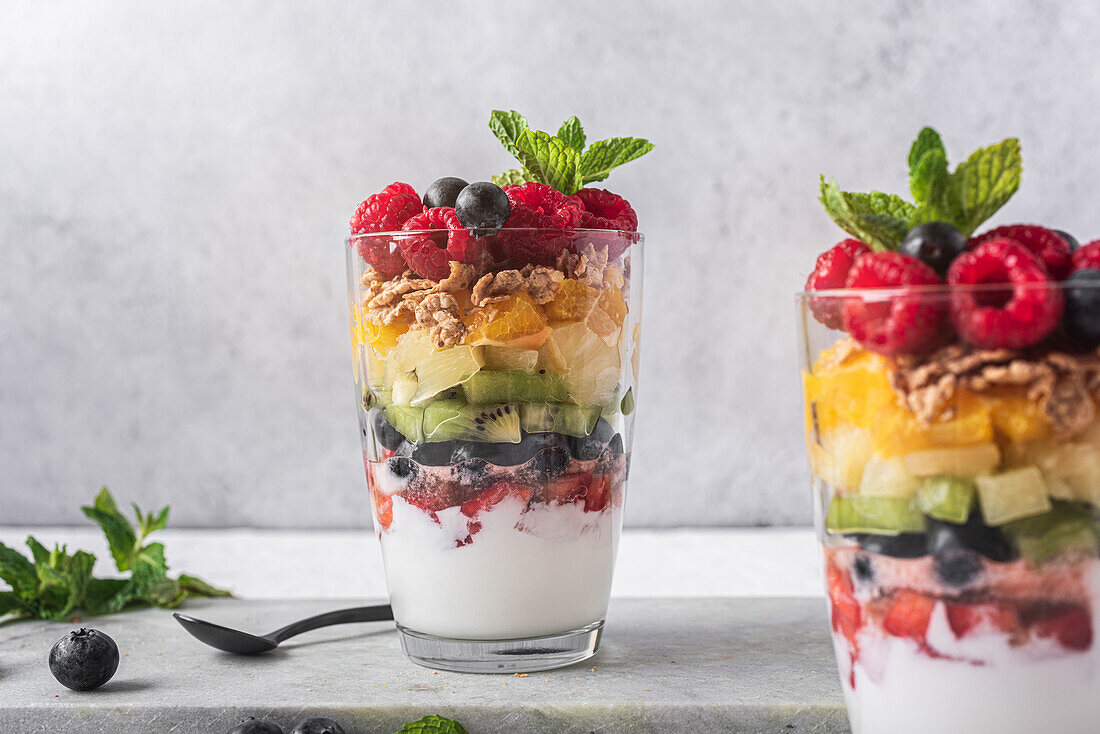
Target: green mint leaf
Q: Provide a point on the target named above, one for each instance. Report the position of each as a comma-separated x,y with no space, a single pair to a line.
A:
508,126
433,725
572,133
928,180
603,155
511,177
982,184
18,572
166,593
10,603
121,538
927,141
197,587
150,523
149,567
881,220
549,160
106,596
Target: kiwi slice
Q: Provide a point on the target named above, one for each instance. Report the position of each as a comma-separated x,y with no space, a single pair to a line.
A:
627,404
947,498
407,420
514,386
1067,529
855,513
449,420
571,420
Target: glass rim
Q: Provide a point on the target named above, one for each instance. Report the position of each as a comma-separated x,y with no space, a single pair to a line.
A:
940,289
498,230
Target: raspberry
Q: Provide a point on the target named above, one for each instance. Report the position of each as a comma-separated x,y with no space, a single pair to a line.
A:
831,271
1087,256
1050,249
538,206
1017,316
425,251
605,210
907,322
385,211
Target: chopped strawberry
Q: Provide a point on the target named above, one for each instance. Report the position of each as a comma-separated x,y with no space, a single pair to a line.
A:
493,496
846,612
597,492
909,615
1071,626
383,508
964,618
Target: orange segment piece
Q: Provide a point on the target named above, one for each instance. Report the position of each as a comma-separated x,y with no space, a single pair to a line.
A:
516,321
573,301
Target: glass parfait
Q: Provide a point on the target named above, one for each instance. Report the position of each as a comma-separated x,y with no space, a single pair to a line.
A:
496,412
955,496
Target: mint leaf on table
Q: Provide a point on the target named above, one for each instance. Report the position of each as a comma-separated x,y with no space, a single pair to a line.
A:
572,134
881,220
549,159
603,155
433,725
54,583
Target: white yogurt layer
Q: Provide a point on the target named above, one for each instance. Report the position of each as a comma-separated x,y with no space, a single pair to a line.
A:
1037,687
525,573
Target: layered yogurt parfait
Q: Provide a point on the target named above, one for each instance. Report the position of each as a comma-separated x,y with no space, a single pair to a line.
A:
495,332
951,383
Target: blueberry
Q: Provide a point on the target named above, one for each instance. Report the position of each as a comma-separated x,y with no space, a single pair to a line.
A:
402,466
957,568
1070,239
1082,315
482,205
935,244
903,545
551,461
387,435
429,454
252,725
590,447
615,448
317,725
443,192
974,534
84,659
865,572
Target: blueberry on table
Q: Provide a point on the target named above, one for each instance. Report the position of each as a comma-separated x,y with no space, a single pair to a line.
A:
483,205
252,725
936,244
317,725
1082,314
84,659
443,192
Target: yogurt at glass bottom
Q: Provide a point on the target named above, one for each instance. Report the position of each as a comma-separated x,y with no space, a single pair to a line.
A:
527,572
1034,689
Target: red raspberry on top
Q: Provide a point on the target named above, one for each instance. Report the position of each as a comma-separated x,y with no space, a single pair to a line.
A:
903,323
1050,249
1019,315
831,272
427,254
538,206
385,211
1087,256
605,210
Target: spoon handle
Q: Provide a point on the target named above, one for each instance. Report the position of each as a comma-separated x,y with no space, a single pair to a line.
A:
376,613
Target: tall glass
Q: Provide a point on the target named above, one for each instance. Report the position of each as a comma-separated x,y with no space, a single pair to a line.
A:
955,497
496,412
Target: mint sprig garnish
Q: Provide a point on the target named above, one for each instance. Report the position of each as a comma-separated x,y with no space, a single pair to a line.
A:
964,198
53,584
433,725
562,160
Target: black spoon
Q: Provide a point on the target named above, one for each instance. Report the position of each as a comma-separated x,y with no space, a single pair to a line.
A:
244,643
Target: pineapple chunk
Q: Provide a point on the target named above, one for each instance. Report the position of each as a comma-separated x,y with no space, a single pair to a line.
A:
1012,495
404,388
841,456
510,358
443,369
884,477
593,365
551,359
1071,470
966,461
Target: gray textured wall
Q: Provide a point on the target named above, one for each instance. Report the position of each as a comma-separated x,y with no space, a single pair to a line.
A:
175,181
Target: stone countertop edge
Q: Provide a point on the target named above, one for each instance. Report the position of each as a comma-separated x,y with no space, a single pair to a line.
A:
665,665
